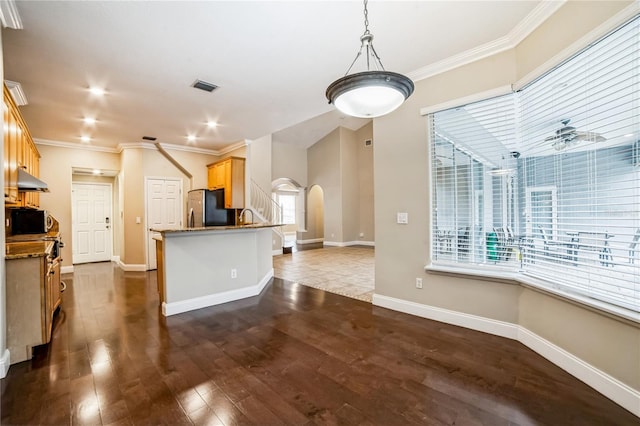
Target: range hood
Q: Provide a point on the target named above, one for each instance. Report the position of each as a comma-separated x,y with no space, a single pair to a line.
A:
30,183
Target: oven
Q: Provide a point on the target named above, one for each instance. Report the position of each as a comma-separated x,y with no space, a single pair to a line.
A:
54,262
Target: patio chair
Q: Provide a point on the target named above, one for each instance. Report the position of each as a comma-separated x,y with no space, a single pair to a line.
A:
555,249
633,246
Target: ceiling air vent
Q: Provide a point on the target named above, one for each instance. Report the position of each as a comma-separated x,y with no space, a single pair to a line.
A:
203,85
149,138
368,142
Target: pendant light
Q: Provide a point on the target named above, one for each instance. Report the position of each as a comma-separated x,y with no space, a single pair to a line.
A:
371,93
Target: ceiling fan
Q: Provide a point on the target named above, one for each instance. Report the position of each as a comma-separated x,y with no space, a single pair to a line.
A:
567,136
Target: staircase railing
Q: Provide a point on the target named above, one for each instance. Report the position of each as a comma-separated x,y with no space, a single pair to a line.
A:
265,207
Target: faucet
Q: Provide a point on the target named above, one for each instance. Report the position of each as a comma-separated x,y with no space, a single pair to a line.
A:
242,213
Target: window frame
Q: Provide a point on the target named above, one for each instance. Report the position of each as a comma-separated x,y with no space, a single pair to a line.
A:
491,271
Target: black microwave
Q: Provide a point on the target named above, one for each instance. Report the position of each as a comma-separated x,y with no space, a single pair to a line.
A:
29,221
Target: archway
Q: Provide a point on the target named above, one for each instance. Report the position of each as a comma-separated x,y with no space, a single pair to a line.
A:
315,215
290,197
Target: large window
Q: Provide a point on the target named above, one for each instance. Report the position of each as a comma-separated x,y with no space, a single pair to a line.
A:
288,205
545,182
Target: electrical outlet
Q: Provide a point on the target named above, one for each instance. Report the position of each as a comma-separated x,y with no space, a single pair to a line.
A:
418,282
362,235
234,273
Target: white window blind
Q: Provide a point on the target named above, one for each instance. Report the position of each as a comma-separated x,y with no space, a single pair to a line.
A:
547,180
288,204
474,176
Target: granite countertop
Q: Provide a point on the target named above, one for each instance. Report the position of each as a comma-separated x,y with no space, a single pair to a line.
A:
52,235
215,228
25,249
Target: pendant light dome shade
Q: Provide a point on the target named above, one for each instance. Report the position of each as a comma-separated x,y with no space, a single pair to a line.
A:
373,92
369,94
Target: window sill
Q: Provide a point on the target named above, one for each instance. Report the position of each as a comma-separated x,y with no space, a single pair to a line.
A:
509,276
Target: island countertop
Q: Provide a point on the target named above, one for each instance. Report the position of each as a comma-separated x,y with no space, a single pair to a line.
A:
215,228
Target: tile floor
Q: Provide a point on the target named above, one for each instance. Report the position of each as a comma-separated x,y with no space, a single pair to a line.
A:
348,271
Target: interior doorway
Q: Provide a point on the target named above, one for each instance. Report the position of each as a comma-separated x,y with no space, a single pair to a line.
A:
91,223
164,207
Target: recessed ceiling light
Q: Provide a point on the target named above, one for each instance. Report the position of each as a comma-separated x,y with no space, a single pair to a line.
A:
212,124
96,171
89,120
191,138
98,91
85,138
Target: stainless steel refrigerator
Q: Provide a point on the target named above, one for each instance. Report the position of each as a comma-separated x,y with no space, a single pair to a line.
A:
206,208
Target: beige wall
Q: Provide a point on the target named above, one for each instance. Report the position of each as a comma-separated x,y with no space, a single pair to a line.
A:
288,161
56,165
132,163
402,185
343,167
323,163
349,185
259,163
365,184
575,18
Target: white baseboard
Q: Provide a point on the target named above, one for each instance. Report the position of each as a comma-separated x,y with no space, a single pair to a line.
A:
66,269
174,308
311,241
4,363
115,259
349,243
132,267
276,252
609,386
486,325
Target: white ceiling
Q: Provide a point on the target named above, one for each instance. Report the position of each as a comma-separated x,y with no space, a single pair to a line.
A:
272,60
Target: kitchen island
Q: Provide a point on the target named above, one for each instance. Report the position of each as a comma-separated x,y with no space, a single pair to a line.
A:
200,267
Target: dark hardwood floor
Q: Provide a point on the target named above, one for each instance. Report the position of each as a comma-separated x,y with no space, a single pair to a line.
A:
293,355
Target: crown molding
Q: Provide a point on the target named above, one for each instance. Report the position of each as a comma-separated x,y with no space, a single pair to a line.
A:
525,27
193,149
9,15
233,147
138,145
600,31
135,145
17,93
71,145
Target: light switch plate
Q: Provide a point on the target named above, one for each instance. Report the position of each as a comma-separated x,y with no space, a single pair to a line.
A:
403,218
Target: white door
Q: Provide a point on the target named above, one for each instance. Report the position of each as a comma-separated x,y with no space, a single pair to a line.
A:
91,222
164,211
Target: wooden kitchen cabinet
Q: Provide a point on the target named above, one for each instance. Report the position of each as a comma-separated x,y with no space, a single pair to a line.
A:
19,152
33,295
228,174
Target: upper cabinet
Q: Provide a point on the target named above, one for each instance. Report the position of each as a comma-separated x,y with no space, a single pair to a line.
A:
19,152
228,174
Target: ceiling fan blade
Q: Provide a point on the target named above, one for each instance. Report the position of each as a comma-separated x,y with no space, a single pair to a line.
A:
590,137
